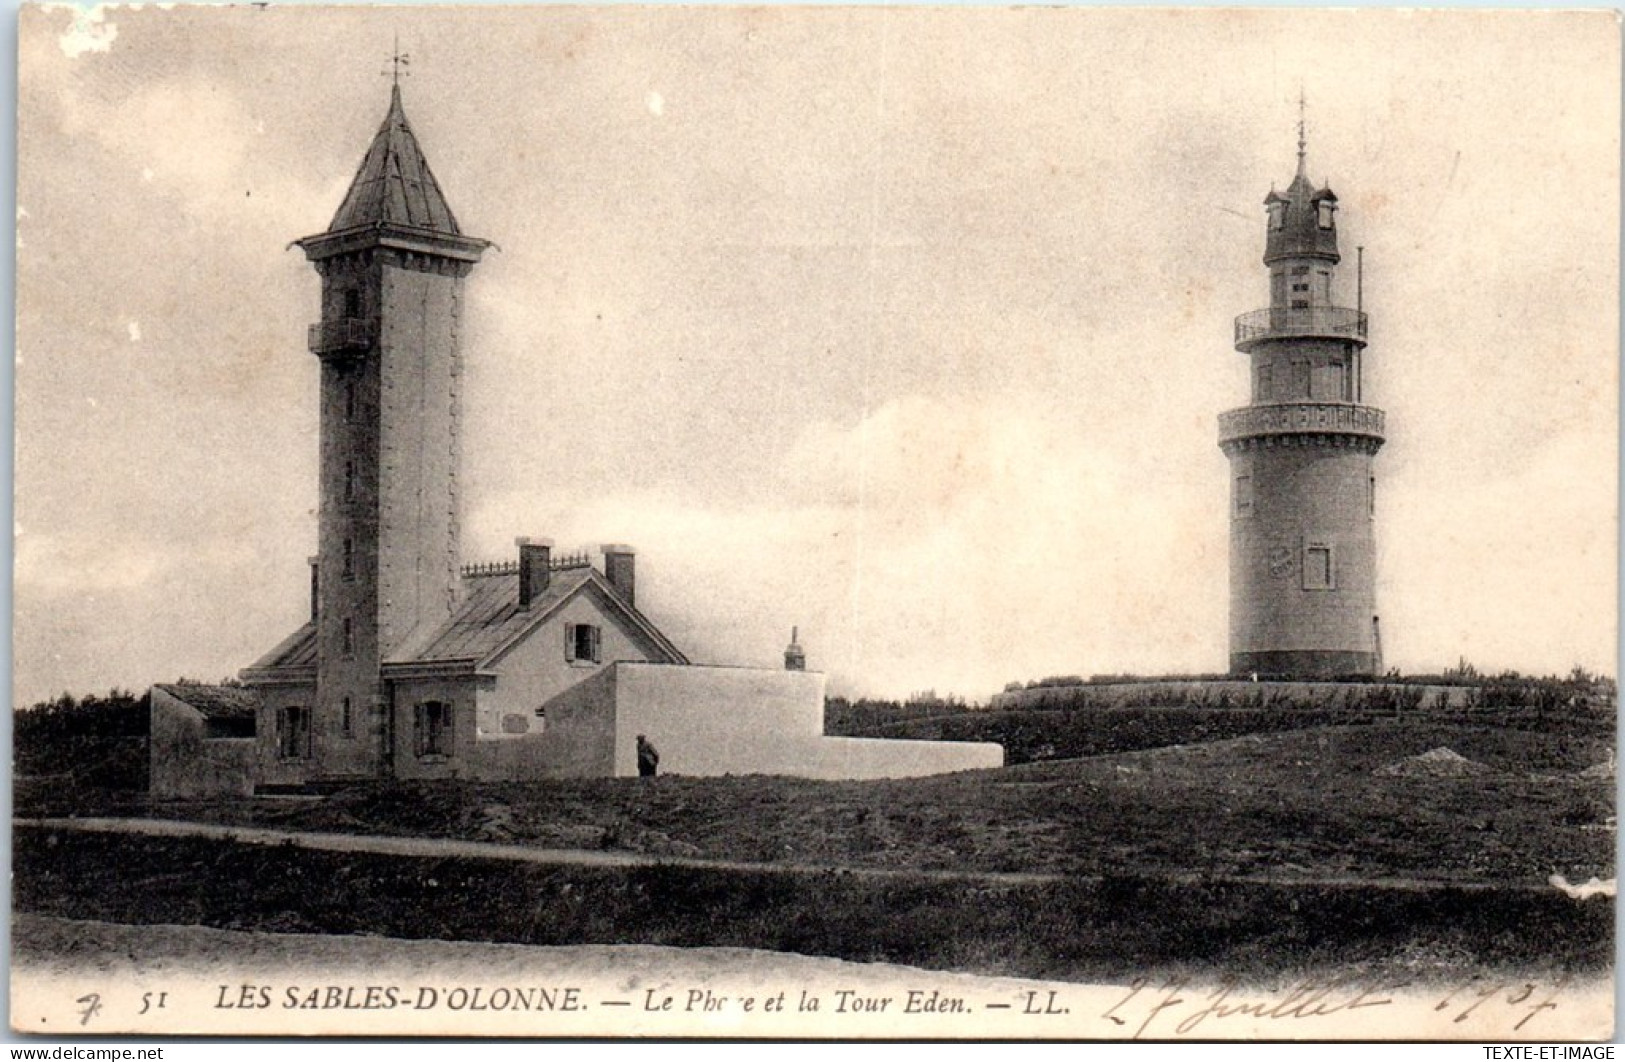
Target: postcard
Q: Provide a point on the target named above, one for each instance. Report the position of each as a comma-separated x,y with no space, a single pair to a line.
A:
832,522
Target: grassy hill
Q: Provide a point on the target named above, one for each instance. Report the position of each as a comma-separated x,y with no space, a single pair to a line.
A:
1326,849
1307,803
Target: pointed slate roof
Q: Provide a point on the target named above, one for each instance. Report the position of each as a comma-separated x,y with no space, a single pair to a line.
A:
394,185
1297,230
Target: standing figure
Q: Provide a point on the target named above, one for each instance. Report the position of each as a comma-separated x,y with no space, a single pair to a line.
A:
648,758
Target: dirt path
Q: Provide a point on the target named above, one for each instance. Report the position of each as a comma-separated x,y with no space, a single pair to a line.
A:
444,848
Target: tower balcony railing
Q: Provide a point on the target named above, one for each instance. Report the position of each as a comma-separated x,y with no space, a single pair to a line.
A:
1302,418
1333,322
341,334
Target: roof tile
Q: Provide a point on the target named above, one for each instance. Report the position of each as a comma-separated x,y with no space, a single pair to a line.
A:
216,702
487,619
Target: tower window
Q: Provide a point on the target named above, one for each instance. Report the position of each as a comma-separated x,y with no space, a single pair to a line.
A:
1326,209
1264,384
346,721
1244,496
349,399
349,560
347,644
1300,287
1277,216
1345,379
1371,498
1318,573
352,302
349,480
1300,378
1331,382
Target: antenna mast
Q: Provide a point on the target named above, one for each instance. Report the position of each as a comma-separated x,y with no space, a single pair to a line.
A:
1359,278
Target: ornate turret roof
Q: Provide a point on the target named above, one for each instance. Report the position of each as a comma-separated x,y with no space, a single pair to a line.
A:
1296,226
394,185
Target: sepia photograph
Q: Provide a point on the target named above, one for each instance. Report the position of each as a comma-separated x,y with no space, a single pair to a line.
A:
836,523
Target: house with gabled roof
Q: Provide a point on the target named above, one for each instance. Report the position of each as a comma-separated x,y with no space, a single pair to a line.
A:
522,633
413,665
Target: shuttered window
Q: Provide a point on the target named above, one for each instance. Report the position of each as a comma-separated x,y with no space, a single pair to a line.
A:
432,729
293,732
581,643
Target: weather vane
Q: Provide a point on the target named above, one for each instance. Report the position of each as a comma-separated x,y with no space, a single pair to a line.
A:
398,60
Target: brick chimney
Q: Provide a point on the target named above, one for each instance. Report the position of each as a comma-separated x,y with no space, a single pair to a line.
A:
795,659
315,588
534,556
619,569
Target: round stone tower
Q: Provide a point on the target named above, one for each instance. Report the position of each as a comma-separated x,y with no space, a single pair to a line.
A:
1302,483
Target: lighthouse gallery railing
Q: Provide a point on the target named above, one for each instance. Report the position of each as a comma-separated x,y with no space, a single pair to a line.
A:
1338,322
1294,418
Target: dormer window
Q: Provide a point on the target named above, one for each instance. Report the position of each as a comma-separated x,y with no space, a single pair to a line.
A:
1324,213
1277,216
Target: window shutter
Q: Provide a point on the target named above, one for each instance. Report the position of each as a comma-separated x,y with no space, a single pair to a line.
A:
417,729
448,712
595,632
570,641
306,714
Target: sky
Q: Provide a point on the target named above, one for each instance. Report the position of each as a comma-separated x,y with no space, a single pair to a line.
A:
908,327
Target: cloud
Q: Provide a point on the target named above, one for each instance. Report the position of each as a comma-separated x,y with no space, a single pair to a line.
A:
1518,572
950,543
186,131
70,562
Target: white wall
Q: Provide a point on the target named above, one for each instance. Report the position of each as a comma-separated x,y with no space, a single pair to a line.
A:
577,742
735,720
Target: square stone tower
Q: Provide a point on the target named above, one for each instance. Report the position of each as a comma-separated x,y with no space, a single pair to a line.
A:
392,265
1303,485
